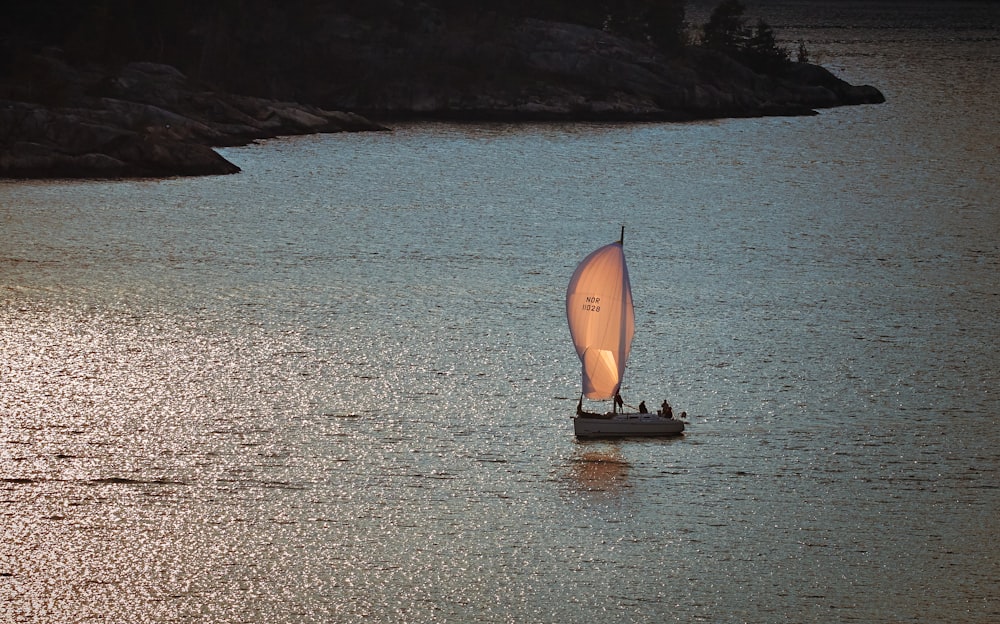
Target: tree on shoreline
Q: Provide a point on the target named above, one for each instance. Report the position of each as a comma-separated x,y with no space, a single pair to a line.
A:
757,47
762,51
726,29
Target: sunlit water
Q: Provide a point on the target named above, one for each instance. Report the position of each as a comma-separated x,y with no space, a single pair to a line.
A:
338,385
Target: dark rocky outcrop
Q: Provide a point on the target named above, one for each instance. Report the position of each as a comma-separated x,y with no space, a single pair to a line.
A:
522,70
144,120
60,119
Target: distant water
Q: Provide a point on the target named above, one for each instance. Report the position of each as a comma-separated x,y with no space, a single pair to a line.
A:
338,385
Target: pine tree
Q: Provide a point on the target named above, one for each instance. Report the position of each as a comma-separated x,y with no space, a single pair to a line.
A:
726,29
762,51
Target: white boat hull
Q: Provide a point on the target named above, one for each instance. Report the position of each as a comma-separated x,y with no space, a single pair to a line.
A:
627,425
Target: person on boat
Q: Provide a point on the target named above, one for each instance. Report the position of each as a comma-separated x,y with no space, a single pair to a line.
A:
642,408
619,404
666,411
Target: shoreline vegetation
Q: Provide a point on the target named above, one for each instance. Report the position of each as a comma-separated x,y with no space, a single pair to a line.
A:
94,89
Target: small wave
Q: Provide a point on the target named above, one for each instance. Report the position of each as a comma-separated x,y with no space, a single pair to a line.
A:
127,481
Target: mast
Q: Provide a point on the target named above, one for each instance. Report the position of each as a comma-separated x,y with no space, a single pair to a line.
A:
625,314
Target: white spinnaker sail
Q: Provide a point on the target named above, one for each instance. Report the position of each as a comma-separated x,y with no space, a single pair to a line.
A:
601,319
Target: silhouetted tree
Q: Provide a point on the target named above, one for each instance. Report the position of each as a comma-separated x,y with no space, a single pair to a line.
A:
762,51
726,29
757,47
660,22
802,56
667,24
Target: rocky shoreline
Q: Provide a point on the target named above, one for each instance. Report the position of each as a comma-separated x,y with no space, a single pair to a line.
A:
555,71
143,119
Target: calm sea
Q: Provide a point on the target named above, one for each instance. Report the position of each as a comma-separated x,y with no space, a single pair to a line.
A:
338,386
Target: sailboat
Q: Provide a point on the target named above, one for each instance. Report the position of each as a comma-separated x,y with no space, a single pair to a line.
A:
602,322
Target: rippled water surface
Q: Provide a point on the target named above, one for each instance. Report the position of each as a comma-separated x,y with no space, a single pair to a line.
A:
338,385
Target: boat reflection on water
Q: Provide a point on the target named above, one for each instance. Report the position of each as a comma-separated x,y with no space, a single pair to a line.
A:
599,470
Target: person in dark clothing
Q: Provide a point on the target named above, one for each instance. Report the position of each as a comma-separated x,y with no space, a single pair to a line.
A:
619,404
642,408
666,411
